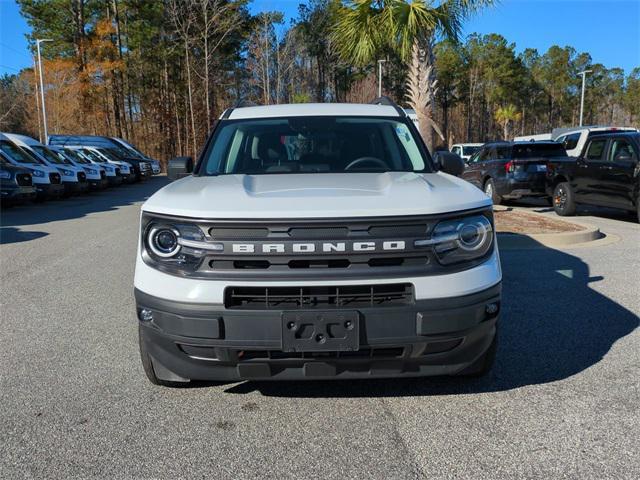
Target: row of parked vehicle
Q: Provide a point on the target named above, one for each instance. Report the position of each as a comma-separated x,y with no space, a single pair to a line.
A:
69,164
605,171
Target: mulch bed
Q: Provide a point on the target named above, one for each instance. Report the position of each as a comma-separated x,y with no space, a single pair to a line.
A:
519,221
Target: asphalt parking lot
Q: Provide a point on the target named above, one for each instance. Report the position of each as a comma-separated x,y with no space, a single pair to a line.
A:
562,402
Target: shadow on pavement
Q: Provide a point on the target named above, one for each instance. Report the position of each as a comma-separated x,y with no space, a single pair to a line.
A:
553,326
581,211
14,235
74,207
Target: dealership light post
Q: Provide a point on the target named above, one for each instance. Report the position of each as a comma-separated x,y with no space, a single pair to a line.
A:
44,110
380,62
583,74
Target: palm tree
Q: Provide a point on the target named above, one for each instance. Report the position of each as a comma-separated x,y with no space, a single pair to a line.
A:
505,116
365,27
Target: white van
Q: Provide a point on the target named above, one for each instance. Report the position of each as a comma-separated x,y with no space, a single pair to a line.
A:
74,178
126,169
114,175
46,179
96,175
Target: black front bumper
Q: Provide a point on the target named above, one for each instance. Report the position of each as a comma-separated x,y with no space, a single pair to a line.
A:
49,190
17,193
98,184
209,342
115,180
76,187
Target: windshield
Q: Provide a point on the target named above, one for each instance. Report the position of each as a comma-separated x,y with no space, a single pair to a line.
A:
537,150
313,145
133,150
74,156
92,156
468,151
118,150
111,154
16,154
48,155
62,157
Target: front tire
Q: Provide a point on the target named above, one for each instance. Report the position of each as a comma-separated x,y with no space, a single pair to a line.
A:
564,203
490,191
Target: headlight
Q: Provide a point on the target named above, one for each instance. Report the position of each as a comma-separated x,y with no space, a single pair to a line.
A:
460,240
37,173
90,171
175,246
5,175
163,241
67,173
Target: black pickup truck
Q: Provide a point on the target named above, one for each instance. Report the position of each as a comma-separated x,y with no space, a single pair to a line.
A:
605,174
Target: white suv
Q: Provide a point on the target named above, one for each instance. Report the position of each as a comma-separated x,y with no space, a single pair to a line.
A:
316,241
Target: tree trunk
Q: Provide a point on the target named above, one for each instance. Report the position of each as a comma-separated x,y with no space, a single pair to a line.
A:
193,121
422,86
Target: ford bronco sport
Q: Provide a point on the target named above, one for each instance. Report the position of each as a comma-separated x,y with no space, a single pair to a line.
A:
316,241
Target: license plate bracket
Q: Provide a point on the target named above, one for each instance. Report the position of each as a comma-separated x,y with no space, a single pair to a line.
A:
320,331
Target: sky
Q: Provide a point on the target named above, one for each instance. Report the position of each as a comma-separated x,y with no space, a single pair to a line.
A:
609,30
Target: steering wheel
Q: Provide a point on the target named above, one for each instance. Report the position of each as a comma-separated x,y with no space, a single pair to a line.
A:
360,160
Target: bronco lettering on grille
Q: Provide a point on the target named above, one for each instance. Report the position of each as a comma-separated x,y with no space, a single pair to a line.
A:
319,247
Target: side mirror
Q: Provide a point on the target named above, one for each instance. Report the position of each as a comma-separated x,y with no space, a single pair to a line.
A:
450,163
179,167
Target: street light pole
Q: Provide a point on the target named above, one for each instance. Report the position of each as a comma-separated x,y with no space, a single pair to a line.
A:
380,62
44,110
583,74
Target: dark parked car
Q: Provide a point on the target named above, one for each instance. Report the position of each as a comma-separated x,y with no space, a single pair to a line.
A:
512,170
16,184
141,169
606,174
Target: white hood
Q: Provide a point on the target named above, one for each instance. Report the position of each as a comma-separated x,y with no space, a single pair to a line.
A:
316,195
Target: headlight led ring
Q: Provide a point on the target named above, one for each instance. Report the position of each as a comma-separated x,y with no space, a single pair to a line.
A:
163,241
473,235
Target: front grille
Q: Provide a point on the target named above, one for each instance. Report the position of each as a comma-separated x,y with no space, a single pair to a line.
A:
54,178
103,174
360,230
363,353
82,177
292,298
339,237
321,249
24,179
117,170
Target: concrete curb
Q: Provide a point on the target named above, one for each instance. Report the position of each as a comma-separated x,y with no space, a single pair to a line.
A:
589,233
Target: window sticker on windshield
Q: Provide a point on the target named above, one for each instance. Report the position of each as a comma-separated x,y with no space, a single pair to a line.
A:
403,133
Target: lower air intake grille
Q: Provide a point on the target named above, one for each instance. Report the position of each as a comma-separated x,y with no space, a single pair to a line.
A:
292,298
82,177
54,178
24,179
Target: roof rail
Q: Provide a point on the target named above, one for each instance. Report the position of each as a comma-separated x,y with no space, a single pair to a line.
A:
384,100
238,104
